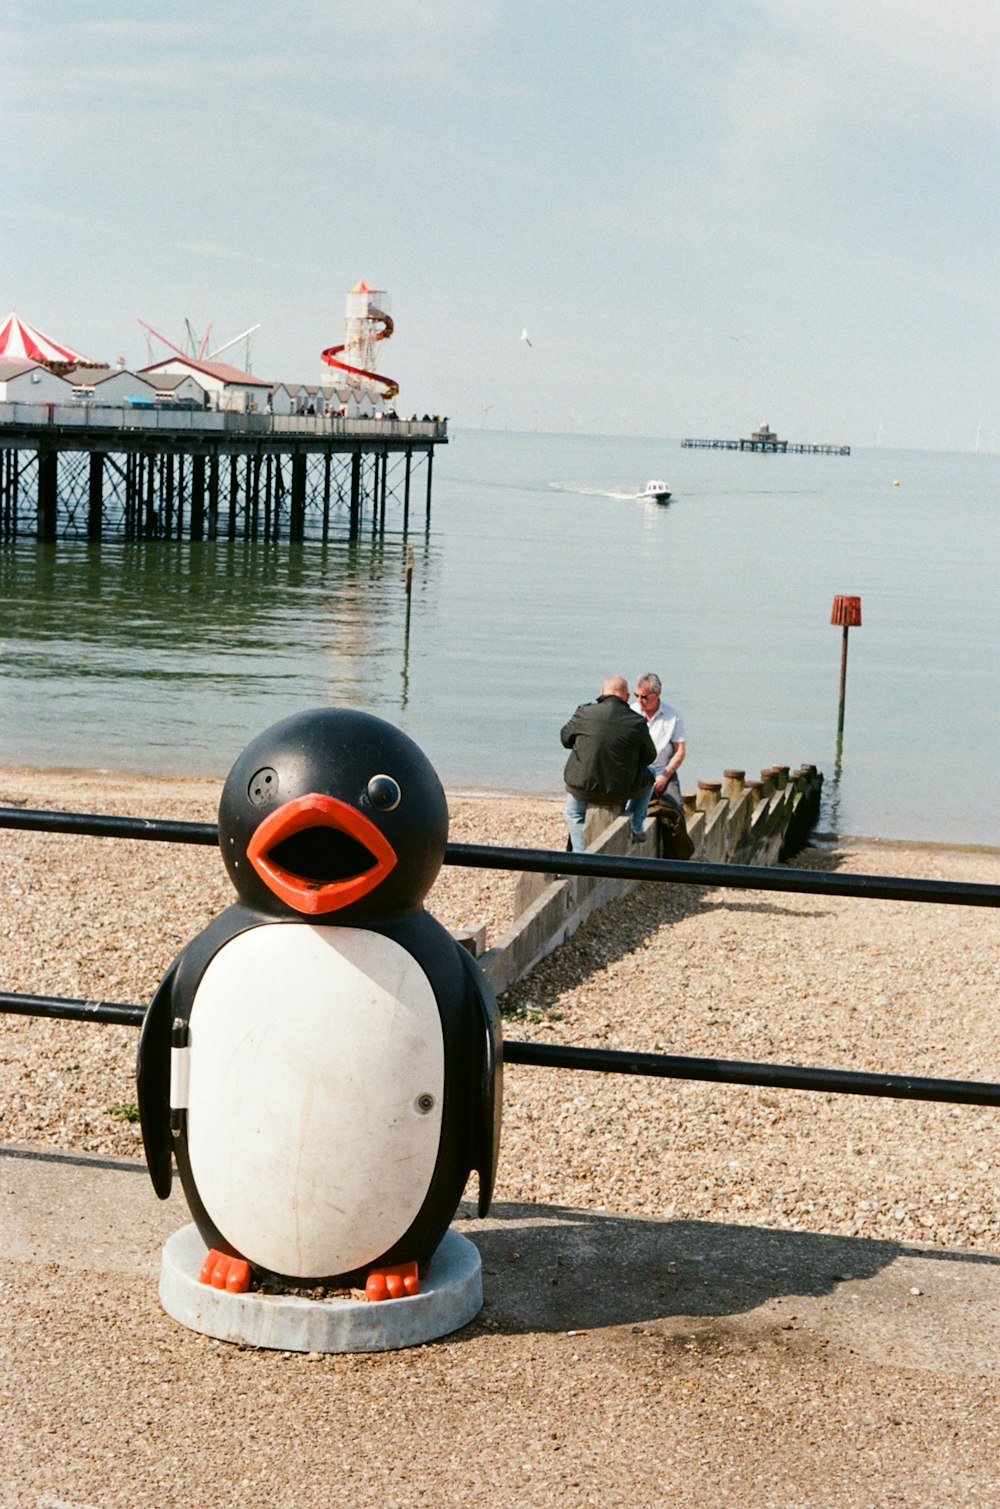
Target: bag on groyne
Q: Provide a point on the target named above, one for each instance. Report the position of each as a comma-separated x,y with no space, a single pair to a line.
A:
675,841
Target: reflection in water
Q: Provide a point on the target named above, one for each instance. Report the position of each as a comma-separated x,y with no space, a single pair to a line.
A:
188,649
830,802
408,590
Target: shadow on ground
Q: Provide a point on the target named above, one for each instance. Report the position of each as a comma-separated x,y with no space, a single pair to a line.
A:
626,924
546,1268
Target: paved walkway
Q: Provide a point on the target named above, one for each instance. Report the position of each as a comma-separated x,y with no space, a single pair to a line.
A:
617,1361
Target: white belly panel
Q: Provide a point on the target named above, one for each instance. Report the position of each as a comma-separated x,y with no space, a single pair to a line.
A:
313,1052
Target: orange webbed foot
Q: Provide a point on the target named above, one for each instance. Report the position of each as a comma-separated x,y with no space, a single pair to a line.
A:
396,1282
225,1272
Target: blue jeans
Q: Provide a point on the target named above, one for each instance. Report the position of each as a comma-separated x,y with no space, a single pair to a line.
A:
575,811
637,807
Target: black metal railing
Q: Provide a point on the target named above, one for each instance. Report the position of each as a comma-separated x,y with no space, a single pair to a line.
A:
553,862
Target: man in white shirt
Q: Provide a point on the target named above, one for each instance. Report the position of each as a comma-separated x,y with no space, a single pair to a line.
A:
666,726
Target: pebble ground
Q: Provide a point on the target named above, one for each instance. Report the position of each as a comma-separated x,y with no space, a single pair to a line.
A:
900,987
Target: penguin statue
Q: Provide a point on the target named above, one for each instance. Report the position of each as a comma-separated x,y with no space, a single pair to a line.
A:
323,1062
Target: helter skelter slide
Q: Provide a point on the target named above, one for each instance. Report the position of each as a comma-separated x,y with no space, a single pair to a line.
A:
367,321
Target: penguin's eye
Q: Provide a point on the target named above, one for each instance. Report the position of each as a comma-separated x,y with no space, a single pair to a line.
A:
384,793
263,786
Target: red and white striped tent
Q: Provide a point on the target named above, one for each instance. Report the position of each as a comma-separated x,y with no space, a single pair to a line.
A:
21,342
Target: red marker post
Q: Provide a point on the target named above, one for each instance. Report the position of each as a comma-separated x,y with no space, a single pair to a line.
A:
846,611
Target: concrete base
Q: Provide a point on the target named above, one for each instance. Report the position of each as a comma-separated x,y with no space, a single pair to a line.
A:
451,1294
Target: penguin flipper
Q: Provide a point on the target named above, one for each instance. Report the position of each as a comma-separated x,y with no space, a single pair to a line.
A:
488,1110
153,1084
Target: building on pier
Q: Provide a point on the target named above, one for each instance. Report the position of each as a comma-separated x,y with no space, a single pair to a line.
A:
765,439
227,387
30,382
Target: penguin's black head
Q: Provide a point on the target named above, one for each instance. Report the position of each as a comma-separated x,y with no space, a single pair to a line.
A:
333,814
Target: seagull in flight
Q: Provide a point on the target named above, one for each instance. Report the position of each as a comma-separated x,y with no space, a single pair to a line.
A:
524,337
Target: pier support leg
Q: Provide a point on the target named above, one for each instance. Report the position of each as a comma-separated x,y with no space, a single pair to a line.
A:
10,494
234,495
168,497
427,506
213,495
48,472
95,496
297,515
5,514
197,497
279,498
355,495
149,529
180,497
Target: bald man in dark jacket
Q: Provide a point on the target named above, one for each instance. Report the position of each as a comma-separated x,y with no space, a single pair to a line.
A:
610,754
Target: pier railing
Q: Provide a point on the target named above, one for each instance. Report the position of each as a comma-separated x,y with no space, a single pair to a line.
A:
30,419
550,862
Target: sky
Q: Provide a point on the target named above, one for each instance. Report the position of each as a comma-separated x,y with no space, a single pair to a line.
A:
706,215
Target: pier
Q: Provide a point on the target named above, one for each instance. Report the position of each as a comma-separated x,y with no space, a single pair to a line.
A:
88,472
765,439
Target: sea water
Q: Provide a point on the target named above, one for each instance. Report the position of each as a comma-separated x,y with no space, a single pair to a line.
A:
539,574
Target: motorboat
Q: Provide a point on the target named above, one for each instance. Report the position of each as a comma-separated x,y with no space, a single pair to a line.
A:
654,492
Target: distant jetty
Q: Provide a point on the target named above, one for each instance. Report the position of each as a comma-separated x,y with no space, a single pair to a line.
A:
765,439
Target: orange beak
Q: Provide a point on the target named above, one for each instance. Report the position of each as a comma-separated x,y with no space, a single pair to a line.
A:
318,854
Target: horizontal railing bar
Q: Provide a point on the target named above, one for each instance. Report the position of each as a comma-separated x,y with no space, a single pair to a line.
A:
735,877
102,825
72,1009
558,862
610,1060
736,1072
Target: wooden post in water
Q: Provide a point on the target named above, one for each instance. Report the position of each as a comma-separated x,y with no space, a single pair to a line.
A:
847,612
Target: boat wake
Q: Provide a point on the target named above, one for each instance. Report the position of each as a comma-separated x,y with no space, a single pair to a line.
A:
620,493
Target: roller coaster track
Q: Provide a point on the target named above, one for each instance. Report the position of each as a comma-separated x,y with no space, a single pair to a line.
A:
329,356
